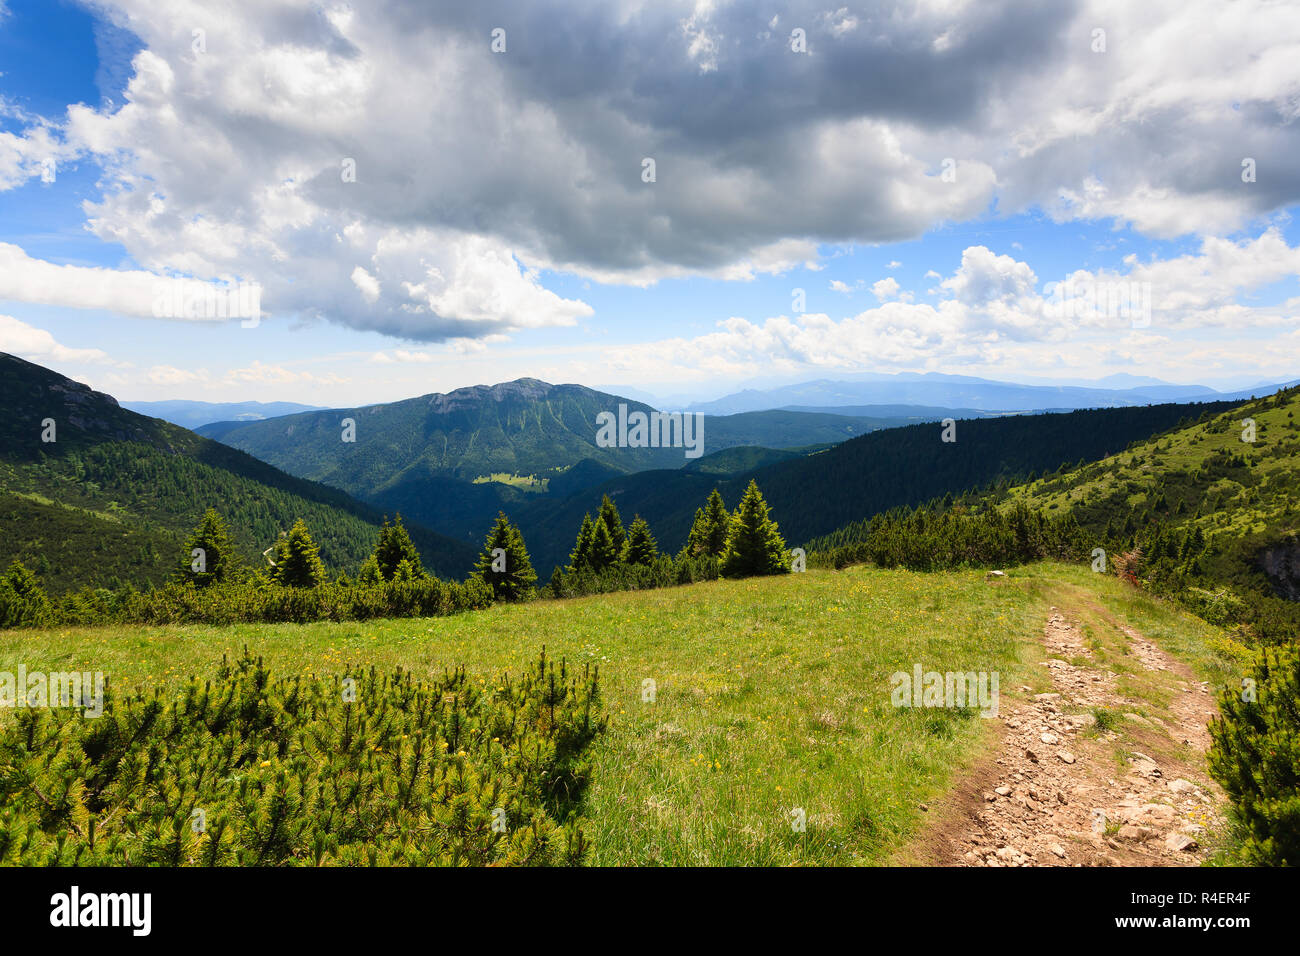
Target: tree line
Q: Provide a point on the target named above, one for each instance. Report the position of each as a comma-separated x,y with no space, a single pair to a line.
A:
210,583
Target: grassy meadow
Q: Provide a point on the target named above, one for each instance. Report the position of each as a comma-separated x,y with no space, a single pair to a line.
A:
771,694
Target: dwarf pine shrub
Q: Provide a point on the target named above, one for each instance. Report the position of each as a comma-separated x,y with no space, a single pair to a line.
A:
370,769
1255,756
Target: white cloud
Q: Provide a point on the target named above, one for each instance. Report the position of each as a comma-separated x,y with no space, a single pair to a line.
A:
25,341
367,283
126,292
886,288
401,355
170,375
993,315
477,172
261,374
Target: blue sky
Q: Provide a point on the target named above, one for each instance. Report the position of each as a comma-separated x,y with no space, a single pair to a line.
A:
499,225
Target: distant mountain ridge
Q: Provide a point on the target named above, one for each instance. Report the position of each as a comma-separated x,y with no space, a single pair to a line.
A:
451,460
193,414
961,391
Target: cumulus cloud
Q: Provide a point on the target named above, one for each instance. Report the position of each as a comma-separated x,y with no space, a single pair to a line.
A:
128,292
19,338
384,169
993,312
886,288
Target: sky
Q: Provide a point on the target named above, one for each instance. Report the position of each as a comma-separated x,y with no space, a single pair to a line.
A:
682,198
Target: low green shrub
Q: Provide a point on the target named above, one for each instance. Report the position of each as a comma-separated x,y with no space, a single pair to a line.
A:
366,770
1255,756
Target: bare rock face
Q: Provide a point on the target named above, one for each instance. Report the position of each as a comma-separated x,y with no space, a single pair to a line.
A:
1281,564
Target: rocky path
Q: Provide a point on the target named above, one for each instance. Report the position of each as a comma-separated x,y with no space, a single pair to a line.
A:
1066,791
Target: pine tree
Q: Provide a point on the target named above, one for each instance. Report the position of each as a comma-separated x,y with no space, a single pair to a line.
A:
1253,757
580,557
217,556
604,554
641,545
614,524
395,546
516,581
754,543
297,559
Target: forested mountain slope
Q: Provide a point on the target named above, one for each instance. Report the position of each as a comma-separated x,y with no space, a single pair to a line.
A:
111,497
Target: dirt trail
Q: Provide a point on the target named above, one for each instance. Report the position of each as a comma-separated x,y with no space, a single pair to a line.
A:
1063,792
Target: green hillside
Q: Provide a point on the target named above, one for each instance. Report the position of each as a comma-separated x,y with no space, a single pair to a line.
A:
440,459
110,500
1229,506
743,458
819,493
525,427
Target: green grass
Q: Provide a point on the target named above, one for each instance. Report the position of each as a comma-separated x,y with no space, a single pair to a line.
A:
523,482
1254,498
771,694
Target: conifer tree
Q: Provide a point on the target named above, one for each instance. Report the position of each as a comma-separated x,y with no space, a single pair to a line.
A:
23,601
509,574
603,553
369,574
216,557
297,559
580,557
614,524
641,545
395,546
708,535
754,543
696,537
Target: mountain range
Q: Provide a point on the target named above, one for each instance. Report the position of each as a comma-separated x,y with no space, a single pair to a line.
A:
450,461
190,414
961,391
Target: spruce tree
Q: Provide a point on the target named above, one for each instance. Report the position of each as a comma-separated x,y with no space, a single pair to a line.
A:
515,580
580,557
395,546
604,554
697,536
709,534
754,543
217,557
614,524
641,545
297,559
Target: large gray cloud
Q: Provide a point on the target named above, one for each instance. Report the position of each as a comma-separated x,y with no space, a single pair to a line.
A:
475,168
